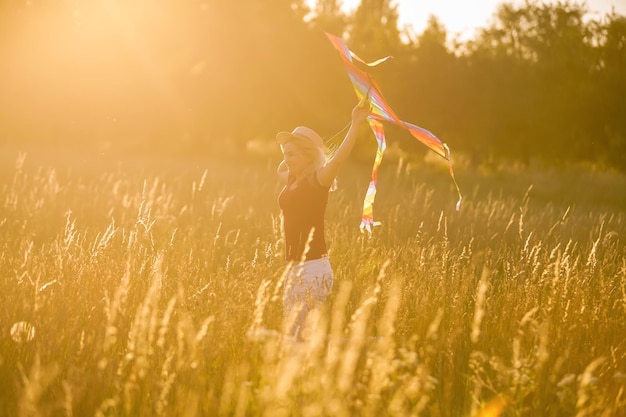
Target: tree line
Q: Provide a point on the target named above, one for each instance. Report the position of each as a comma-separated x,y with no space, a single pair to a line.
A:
541,81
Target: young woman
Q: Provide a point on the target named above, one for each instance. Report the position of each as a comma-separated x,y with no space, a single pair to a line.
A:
308,174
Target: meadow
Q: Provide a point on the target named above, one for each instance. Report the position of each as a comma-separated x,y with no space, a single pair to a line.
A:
152,287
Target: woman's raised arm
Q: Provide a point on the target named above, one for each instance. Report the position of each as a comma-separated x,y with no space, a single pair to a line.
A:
326,175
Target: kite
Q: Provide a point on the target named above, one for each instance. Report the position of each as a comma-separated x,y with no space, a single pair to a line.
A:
366,87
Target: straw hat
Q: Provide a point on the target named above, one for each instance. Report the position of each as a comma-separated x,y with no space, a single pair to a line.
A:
300,132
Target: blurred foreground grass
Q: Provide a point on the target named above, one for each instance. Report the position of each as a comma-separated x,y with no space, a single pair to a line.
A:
132,287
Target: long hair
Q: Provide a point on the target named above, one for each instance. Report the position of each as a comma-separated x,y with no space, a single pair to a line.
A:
317,157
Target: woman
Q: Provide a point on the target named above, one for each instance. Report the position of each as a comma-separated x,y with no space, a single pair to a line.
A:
308,175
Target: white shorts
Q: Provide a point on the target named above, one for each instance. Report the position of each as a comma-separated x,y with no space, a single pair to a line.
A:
307,286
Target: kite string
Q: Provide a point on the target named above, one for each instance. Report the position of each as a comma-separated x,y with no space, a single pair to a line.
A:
343,129
331,138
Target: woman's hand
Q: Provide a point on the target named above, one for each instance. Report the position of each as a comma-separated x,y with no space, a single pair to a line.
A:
361,111
328,172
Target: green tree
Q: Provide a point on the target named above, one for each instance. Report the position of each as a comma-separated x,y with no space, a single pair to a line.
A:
374,30
608,107
533,66
561,41
329,17
426,82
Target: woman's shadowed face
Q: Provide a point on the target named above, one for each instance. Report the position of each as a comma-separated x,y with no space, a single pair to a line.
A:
295,158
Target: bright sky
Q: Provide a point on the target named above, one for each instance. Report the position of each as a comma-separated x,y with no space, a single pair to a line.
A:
463,17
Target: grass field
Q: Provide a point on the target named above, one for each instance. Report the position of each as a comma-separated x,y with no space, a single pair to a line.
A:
152,287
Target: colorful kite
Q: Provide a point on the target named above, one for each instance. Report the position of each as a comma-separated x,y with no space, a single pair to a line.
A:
365,86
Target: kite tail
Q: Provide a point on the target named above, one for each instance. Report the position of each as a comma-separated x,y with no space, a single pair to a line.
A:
458,190
367,219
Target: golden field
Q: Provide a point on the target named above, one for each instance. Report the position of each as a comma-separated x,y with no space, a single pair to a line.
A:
152,287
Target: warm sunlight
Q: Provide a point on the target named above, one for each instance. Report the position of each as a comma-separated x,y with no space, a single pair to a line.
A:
185,75
110,65
196,218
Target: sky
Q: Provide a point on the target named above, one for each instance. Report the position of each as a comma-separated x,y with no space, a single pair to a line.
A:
463,17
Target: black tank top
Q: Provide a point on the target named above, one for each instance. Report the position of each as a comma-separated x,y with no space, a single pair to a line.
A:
303,207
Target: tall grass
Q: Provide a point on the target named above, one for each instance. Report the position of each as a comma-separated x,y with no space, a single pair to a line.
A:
155,290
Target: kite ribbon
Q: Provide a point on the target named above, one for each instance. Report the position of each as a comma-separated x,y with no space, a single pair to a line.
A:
365,86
